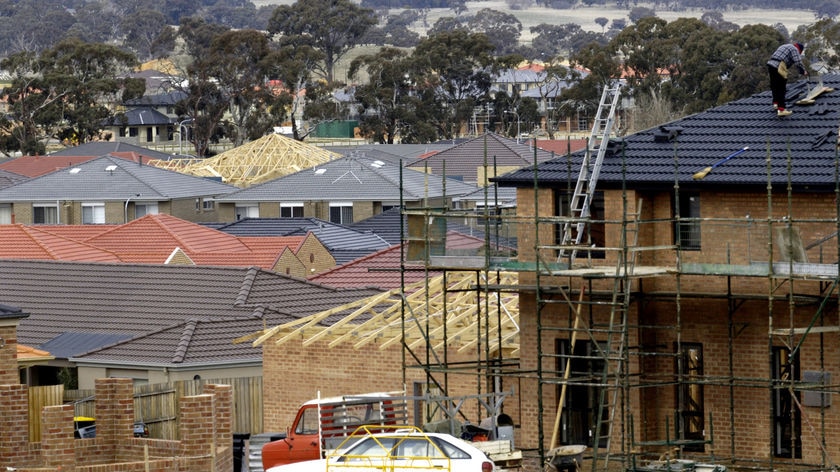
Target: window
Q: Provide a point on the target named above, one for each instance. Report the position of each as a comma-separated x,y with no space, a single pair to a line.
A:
93,213
583,123
291,210
687,230
45,214
690,395
143,209
247,211
308,423
787,426
5,214
341,213
208,204
595,232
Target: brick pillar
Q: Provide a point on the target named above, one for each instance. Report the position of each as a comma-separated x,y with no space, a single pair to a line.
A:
223,423
114,414
57,442
14,423
197,433
9,373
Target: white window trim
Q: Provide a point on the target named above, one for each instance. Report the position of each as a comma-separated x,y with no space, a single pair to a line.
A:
94,206
53,205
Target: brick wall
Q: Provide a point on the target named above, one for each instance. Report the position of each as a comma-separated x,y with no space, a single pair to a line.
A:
737,350
294,374
205,431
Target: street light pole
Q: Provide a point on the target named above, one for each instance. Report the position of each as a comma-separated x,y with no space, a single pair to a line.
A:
181,129
518,130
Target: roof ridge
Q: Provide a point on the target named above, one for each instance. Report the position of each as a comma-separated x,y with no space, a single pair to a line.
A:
184,343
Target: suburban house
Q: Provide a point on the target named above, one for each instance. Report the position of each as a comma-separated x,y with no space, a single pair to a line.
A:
254,162
139,126
204,442
701,290
164,239
109,190
478,159
342,191
343,243
154,323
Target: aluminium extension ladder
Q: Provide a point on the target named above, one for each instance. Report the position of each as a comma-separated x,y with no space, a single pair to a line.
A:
590,168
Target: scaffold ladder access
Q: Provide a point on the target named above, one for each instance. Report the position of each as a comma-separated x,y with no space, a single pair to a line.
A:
590,168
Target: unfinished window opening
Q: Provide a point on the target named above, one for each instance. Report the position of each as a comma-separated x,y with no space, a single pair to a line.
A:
787,428
690,395
595,231
580,406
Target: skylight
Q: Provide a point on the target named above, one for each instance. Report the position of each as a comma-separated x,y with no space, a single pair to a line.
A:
75,170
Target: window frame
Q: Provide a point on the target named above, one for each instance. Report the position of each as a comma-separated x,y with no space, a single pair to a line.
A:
291,210
345,212
97,212
688,234
44,207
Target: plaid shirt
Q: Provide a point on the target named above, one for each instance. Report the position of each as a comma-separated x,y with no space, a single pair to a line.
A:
789,54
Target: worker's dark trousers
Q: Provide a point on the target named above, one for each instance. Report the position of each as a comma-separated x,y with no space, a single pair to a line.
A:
778,85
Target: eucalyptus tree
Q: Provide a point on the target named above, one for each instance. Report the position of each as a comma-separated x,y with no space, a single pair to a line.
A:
385,97
453,78
332,27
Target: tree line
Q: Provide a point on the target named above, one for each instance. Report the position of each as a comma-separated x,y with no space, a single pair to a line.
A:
239,83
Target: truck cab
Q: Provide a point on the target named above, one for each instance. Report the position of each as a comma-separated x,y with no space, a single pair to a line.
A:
321,424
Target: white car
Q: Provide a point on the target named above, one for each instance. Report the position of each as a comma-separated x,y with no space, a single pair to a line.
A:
405,450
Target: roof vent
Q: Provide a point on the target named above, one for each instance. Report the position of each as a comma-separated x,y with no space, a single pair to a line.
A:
616,146
667,134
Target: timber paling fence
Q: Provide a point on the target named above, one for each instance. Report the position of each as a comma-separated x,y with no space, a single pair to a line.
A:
156,404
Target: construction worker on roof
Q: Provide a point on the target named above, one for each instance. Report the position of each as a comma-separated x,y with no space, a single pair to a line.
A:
786,56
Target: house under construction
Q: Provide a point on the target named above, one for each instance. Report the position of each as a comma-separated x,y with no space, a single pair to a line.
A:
678,298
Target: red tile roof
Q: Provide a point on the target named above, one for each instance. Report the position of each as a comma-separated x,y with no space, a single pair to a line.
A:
561,147
152,239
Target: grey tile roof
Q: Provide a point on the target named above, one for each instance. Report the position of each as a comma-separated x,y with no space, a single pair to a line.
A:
677,150
138,300
406,152
101,148
71,344
387,226
357,178
192,343
344,243
141,116
464,160
7,179
8,311
157,100
92,182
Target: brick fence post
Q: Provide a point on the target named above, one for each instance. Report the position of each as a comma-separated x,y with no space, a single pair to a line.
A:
114,414
198,436
57,441
14,423
223,424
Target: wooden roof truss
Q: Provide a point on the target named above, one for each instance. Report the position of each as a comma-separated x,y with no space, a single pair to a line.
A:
453,310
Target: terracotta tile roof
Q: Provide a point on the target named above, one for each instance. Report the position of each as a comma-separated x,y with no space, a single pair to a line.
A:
33,242
152,239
